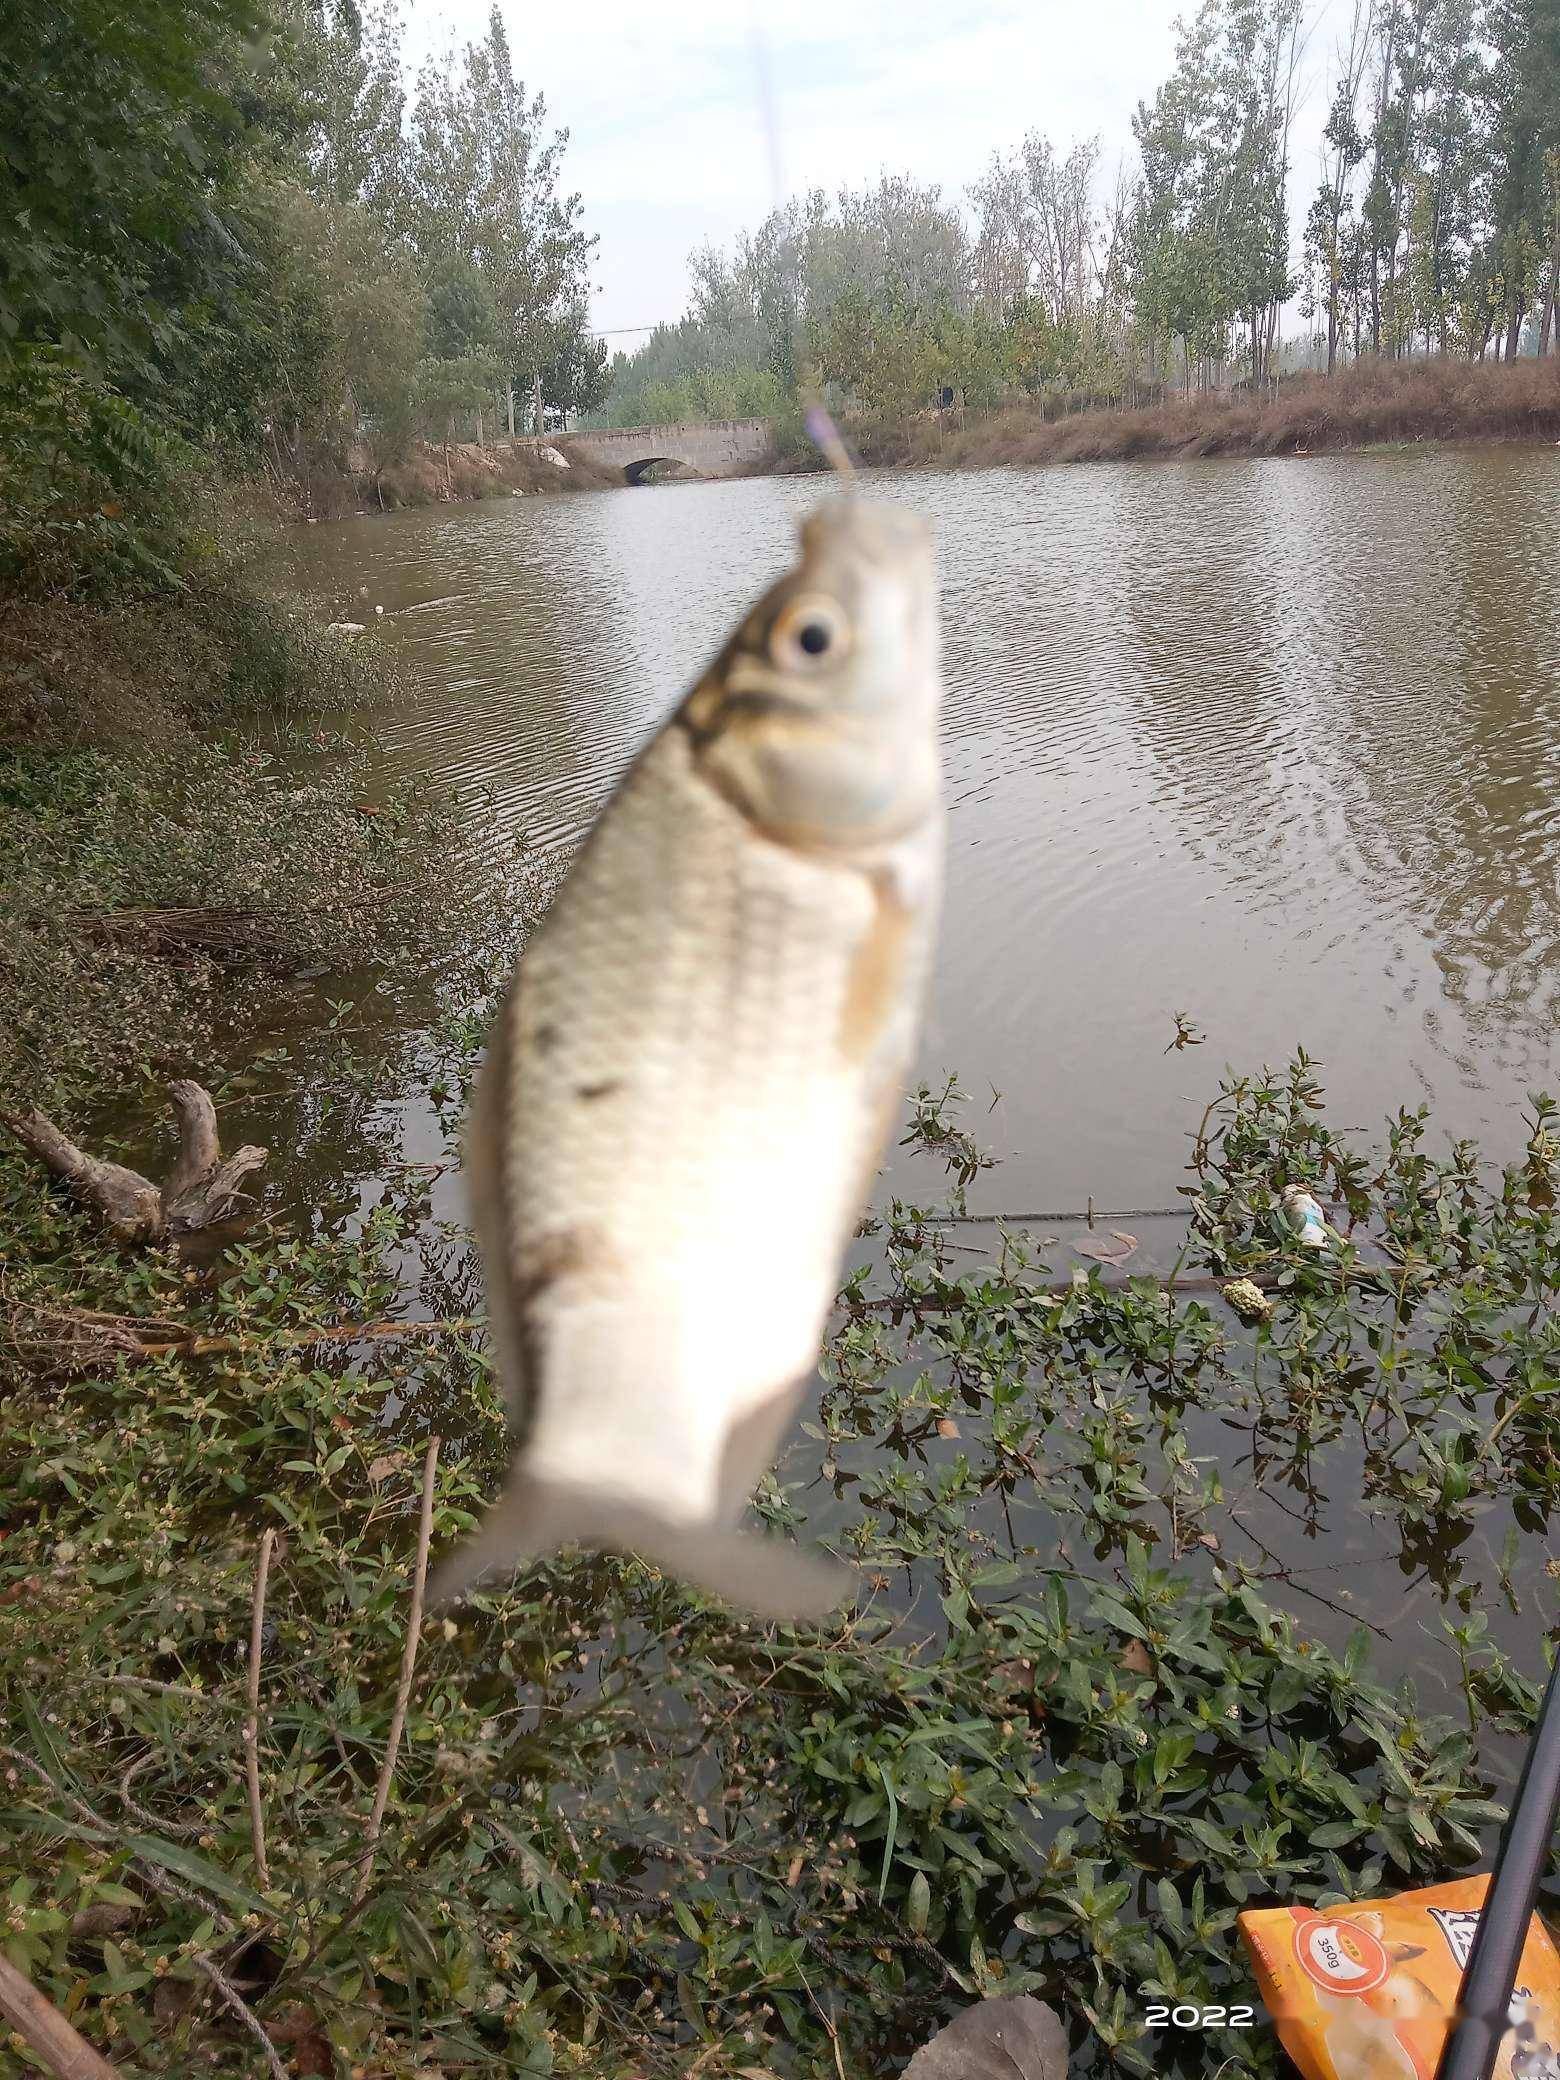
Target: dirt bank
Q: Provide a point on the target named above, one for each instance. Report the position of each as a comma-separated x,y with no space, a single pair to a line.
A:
1373,403
435,475
163,869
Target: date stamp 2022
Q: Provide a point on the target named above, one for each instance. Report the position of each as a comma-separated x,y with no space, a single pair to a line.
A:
1192,2015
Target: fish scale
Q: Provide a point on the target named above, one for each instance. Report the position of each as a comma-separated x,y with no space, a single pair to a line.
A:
695,1068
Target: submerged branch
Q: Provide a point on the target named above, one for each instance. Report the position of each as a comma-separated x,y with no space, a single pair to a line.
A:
129,1204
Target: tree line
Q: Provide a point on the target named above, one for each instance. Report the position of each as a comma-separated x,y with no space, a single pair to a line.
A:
233,223
1434,227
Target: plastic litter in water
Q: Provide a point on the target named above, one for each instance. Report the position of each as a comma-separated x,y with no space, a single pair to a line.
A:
1306,1218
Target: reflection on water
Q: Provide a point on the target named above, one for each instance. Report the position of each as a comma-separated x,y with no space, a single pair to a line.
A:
1271,742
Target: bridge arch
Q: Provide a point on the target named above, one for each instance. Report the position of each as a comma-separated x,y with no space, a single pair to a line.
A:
636,472
719,448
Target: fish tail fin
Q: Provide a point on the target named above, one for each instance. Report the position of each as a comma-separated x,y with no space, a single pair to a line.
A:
767,1577
518,1527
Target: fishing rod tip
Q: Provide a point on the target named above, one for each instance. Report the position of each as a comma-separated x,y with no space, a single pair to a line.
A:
825,436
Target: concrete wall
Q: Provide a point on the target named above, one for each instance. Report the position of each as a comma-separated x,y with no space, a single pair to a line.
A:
720,448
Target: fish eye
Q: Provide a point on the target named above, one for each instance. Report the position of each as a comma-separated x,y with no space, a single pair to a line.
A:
806,632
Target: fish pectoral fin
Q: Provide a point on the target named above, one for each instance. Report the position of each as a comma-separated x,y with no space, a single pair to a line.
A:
768,1577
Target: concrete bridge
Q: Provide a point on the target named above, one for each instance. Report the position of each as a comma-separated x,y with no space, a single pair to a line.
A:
718,448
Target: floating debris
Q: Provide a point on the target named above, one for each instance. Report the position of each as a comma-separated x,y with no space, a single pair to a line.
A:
1112,1249
1248,1301
1306,1218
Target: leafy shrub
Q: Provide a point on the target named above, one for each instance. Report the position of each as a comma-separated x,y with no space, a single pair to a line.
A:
93,498
630,1836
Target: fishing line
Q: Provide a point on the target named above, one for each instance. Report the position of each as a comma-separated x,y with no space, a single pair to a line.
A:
821,429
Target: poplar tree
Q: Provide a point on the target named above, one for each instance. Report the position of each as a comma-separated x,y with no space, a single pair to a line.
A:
486,184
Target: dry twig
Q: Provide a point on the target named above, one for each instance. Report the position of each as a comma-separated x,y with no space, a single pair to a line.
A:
158,1823
252,1721
403,1693
242,2010
188,1344
64,2051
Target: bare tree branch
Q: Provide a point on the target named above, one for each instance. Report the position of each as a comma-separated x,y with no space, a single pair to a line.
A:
130,1205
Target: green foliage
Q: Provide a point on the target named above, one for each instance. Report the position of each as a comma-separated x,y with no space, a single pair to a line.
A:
94,500
114,145
1072,356
627,1835
218,202
888,356
462,318
1210,232
353,84
459,384
1438,215
657,386
859,287
484,190
1453,235
1524,97
576,378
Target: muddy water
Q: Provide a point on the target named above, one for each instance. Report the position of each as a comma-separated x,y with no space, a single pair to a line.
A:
1272,744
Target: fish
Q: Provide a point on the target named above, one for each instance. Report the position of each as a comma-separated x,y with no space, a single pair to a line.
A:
688,1087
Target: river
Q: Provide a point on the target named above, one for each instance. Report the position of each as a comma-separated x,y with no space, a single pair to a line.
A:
1271,743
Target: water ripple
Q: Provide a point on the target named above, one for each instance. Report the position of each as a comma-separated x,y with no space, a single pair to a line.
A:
1276,743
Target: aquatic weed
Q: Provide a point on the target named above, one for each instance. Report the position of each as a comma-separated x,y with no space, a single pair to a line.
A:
1070,1730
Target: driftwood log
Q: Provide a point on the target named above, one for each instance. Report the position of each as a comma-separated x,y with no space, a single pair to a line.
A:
202,1187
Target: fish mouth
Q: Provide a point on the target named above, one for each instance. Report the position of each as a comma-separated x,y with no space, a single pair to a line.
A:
879,534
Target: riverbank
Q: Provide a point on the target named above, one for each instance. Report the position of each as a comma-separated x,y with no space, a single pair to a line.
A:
1362,406
1082,1710
437,474
178,851
178,847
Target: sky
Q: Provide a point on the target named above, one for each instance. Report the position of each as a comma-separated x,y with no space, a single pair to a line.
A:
669,145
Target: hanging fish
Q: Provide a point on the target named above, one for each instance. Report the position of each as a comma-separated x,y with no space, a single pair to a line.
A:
690,1083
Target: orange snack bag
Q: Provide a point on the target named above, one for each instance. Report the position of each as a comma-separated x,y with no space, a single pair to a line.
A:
1368,1992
